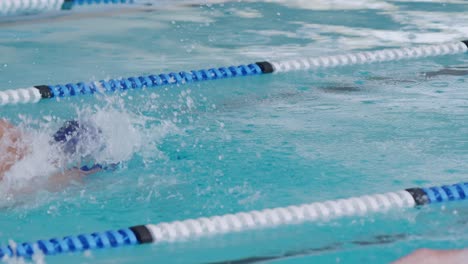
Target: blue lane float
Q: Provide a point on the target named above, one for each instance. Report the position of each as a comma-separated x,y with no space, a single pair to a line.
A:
139,82
36,93
243,221
69,4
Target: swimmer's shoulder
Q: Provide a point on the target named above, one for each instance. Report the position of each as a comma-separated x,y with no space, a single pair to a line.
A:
5,125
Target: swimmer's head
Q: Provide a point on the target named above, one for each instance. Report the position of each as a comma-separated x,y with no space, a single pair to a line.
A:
78,138
82,141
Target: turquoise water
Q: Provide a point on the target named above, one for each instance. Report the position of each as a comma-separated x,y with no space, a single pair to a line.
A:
242,144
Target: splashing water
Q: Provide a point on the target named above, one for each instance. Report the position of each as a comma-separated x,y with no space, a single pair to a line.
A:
122,135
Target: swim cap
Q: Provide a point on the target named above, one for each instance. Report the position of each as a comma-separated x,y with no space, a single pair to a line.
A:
83,139
72,133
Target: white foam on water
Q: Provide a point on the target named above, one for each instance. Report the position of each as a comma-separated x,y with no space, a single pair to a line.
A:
303,4
36,162
120,133
334,4
246,12
437,26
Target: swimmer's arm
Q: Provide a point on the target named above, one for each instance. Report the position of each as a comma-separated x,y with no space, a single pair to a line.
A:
11,148
57,182
60,180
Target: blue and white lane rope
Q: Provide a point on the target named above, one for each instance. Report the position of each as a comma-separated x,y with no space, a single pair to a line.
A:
230,223
36,93
11,7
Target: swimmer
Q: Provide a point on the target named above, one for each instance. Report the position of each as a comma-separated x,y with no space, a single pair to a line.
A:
74,141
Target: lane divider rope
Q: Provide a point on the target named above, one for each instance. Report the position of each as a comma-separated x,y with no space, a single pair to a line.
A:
12,7
243,221
36,93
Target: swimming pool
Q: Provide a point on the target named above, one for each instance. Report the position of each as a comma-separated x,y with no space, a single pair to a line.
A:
241,144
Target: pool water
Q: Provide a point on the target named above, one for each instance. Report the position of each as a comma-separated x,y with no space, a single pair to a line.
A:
242,144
